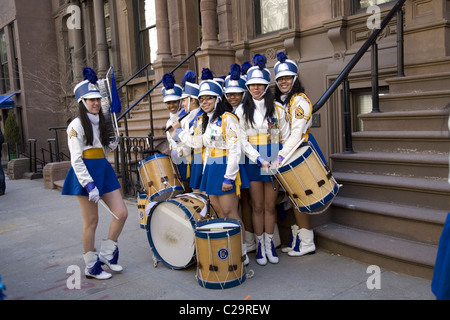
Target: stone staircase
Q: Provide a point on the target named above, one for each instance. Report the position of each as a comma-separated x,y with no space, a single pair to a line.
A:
395,196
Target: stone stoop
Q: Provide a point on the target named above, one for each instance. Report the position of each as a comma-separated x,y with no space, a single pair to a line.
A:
394,201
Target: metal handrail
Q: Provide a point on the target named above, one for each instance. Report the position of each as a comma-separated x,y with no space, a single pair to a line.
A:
344,74
155,86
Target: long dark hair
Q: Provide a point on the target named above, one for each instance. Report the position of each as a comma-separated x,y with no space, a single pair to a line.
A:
87,126
221,108
296,88
249,106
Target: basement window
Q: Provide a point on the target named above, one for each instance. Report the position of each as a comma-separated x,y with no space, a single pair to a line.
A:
362,104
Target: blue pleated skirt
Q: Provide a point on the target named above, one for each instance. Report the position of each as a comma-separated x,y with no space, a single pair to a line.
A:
101,171
270,153
213,174
196,171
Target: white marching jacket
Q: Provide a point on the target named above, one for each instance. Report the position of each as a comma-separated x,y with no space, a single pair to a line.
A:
77,145
299,114
261,126
215,138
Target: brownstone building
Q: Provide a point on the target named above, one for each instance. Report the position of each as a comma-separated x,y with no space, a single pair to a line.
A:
394,200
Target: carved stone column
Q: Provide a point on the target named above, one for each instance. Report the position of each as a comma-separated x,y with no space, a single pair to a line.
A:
100,36
214,56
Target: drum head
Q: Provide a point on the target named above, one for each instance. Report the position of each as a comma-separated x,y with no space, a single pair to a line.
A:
170,232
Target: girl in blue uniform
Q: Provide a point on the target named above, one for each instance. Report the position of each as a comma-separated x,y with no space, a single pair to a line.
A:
92,178
264,128
221,179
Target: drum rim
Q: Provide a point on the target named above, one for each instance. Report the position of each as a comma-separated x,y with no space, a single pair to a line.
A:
297,161
164,191
152,245
329,197
155,156
222,285
218,234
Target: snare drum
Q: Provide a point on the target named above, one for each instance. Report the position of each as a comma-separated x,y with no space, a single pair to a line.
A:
220,264
171,228
309,183
158,178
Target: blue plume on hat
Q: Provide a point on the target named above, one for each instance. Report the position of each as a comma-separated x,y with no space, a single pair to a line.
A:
190,76
207,74
245,66
89,74
282,57
168,81
260,61
235,72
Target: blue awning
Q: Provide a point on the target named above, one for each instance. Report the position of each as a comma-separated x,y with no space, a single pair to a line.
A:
7,102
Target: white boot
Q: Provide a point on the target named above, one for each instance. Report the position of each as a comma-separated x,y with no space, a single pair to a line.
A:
109,255
250,241
270,248
292,240
306,245
94,268
260,250
244,254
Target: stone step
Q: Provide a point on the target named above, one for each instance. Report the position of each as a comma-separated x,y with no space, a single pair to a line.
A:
421,120
419,83
413,165
423,142
406,222
416,100
399,255
426,193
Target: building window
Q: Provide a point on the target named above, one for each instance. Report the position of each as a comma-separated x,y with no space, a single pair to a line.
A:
270,16
359,5
5,85
147,43
362,102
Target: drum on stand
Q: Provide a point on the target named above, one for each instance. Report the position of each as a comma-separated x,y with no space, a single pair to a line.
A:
171,228
308,182
159,178
220,264
142,202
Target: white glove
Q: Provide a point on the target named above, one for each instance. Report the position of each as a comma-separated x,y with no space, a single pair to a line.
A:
113,145
94,194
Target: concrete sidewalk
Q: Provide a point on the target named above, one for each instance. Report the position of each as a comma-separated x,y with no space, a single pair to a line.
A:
40,238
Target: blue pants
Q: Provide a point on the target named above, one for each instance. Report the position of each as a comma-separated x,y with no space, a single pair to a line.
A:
441,275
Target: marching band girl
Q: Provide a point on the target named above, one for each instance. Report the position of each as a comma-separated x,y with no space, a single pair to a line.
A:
172,97
221,179
91,178
290,92
263,124
190,136
235,89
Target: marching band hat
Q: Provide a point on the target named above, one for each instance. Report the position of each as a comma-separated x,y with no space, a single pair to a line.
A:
285,67
235,82
258,74
210,88
190,87
87,89
171,90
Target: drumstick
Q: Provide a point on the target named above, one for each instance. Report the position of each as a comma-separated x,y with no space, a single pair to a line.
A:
215,229
179,120
107,208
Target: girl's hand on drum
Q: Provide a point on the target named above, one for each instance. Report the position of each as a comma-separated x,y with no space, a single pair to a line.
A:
276,164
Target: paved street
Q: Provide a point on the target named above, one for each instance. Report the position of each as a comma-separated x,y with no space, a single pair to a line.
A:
40,237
